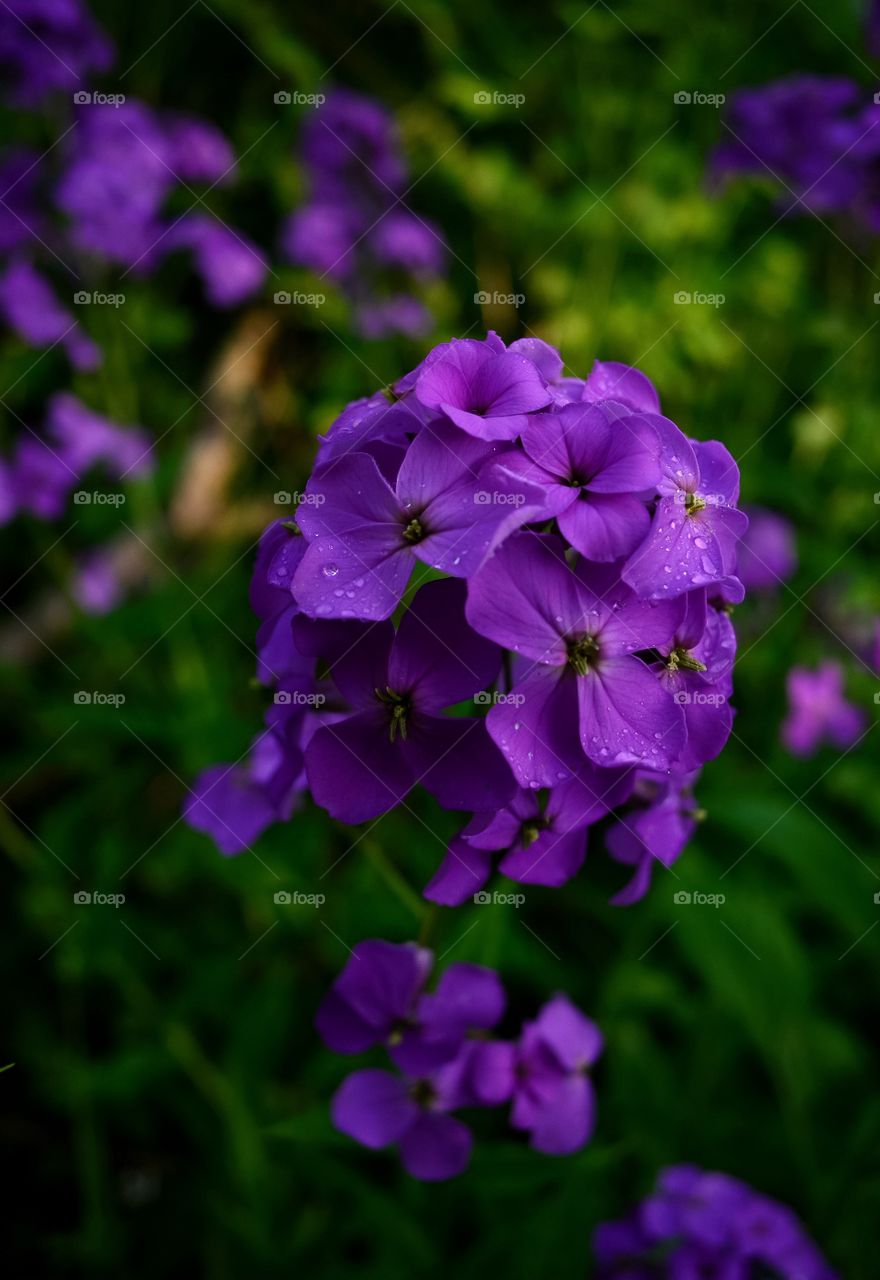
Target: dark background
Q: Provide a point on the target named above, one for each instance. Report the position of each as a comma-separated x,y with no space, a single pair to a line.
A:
167,1113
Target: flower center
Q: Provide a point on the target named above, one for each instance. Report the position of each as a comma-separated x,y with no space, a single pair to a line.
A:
531,831
680,658
423,1093
414,531
399,707
693,504
583,652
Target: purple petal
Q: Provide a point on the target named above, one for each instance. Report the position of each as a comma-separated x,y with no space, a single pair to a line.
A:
341,1028
526,598
605,526
539,737
436,656
565,1123
627,717
380,983
610,380
551,860
346,494
456,761
574,1038
461,874
355,771
362,575
467,996
436,1147
374,1108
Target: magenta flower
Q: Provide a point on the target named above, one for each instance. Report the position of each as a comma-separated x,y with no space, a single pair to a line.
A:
398,684
693,537
484,389
29,306
584,692
553,1095
818,711
448,508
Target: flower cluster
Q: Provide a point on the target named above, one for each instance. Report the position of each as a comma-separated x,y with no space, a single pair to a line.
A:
696,1224
817,136
355,228
45,469
47,46
581,634
446,1060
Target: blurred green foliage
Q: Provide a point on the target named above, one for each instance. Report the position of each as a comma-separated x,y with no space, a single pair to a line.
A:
167,1110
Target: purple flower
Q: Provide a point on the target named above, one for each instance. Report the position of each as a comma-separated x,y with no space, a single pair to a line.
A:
235,803
47,46
379,1109
446,509
542,839
30,307
398,684
485,391
818,711
693,537
355,228
231,266
766,555
697,670
85,438
197,150
801,131
380,998
585,691
553,1095
697,1224
594,461
656,828
97,586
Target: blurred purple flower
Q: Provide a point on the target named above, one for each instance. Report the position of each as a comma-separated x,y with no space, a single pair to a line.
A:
47,46
818,711
766,555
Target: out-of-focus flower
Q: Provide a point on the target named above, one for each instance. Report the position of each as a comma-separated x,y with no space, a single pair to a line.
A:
818,711
47,46
766,555
355,228
697,1224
